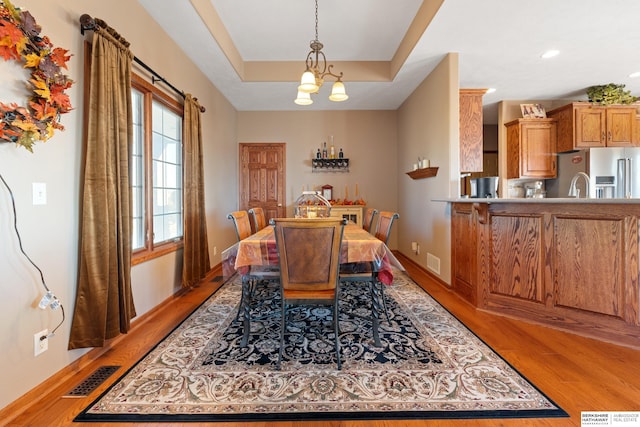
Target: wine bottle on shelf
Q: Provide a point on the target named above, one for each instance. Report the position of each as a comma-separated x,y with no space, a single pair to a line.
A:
318,155
341,154
324,151
332,152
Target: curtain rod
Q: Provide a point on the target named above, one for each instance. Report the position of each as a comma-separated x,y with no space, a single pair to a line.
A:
87,23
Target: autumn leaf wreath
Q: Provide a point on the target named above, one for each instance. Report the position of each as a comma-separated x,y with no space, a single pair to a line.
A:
20,40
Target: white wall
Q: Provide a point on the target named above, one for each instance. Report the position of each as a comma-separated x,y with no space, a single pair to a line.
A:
50,232
428,127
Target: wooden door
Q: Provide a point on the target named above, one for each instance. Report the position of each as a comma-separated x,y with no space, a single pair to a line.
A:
262,172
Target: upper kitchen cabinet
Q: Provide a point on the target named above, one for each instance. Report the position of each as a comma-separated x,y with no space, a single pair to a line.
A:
584,125
531,148
471,130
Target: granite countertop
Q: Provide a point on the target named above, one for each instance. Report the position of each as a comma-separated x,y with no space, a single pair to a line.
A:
549,200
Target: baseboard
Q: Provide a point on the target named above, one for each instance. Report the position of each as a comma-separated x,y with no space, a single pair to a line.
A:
41,391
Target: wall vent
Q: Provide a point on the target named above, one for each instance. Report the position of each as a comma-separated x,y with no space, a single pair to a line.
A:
433,263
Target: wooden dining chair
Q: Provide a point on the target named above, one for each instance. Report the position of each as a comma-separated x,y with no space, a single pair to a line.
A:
366,272
241,223
385,222
383,231
256,275
309,253
258,219
369,218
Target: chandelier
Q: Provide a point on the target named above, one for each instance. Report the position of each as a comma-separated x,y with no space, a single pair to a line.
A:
317,69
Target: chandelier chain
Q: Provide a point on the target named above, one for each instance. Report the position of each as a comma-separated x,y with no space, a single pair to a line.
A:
316,20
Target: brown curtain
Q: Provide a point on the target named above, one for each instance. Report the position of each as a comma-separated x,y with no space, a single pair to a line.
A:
196,248
104,301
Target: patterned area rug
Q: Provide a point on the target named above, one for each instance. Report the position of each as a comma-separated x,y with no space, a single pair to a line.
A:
430,366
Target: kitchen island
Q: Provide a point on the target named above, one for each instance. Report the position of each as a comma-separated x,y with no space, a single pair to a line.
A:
566,263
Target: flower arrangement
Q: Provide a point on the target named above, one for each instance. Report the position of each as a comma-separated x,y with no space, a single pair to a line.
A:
20,40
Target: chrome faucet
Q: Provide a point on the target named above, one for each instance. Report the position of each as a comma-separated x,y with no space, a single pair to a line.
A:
575,192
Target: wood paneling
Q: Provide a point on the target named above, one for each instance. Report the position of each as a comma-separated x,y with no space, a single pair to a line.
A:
517,269
568,265
589,272
464,254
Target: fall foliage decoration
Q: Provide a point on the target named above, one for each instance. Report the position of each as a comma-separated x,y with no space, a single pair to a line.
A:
20,40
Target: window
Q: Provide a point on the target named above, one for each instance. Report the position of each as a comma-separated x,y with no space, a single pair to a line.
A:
156,172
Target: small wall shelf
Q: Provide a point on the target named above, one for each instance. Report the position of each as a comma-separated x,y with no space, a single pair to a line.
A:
330,165
423,173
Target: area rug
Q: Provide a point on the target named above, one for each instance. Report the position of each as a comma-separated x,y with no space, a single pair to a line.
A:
430,366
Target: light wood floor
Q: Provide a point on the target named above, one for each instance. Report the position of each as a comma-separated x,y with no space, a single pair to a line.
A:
577,373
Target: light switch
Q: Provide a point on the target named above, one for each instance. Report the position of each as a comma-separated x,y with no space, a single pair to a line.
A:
39,193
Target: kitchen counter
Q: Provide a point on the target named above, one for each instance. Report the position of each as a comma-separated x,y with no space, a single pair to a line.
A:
568,263
550,200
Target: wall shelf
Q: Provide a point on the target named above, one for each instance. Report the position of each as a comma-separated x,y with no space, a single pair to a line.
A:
423,173
330,165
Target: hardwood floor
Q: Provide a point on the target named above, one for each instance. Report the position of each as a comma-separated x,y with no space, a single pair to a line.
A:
579,374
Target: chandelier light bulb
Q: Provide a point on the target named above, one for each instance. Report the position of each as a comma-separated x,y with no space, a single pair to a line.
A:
308,83
338,92
304,98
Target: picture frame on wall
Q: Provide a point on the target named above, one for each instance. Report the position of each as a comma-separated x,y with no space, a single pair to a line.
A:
533,111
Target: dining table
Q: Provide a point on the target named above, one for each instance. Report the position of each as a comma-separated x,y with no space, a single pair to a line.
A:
258,252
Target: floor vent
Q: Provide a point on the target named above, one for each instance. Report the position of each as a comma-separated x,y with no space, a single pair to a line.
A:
217,279
93,381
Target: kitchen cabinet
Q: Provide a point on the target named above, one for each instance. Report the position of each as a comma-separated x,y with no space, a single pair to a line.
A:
565,264
471,130
531,148
584,125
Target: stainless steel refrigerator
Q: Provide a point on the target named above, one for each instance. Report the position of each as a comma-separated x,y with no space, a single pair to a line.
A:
617,168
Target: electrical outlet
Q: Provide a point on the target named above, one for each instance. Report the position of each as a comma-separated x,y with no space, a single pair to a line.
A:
40,342
215,250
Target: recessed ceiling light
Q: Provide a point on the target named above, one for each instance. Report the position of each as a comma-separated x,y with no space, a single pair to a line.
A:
550,54
634,75
490,90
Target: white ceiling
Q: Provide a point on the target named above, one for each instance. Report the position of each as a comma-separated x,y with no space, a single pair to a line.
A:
499,43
